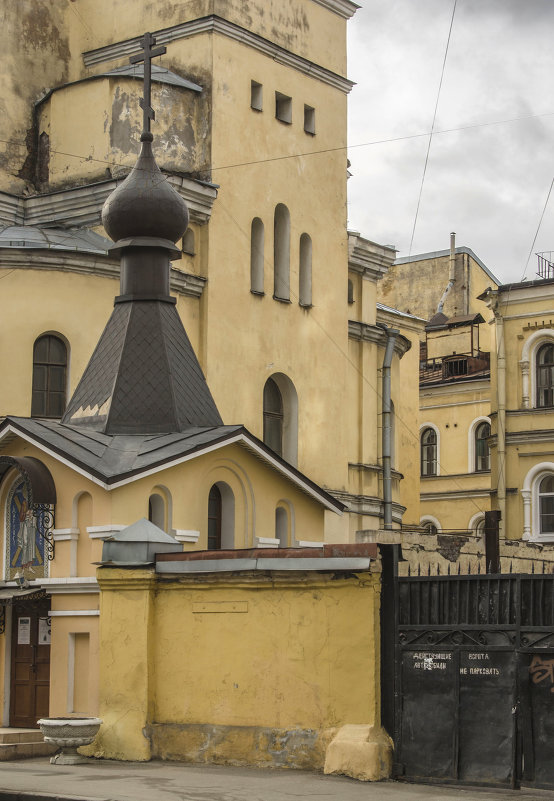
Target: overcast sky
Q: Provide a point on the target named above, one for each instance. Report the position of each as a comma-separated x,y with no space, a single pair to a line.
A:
487,183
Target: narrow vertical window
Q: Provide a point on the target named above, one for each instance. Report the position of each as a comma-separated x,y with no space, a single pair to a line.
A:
482,451
305,271
273,416
545,375
214,519
428,452
281,253
350,291
188,242
256,96
49,377
309,119
156,510
546,505
282,527
257,236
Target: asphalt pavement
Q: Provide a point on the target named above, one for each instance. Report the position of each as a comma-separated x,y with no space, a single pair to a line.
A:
103,780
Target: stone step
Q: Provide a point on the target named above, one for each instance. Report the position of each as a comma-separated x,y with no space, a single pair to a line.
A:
23,744
12,735
9,751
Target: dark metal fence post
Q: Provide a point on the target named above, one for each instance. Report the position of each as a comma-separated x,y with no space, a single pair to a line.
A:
492,545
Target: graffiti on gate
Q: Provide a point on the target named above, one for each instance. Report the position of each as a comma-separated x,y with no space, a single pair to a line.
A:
542,670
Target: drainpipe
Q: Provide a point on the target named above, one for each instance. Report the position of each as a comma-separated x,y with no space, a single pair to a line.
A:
501,419
451,275
391,334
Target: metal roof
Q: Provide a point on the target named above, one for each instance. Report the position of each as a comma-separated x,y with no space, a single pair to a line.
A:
29,236
159,74
112,461
143,377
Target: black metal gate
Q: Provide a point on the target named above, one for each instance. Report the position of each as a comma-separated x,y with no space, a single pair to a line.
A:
473,690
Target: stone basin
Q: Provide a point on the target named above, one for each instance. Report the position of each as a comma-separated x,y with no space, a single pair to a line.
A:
69,734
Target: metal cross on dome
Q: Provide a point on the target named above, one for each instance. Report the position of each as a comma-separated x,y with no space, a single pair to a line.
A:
147,43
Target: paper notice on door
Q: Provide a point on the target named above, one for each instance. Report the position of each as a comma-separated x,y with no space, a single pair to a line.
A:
24,631
44,629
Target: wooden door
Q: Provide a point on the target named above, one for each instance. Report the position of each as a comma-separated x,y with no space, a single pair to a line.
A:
30,664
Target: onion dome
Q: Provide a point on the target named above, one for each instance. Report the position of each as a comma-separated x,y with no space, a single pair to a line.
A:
145,204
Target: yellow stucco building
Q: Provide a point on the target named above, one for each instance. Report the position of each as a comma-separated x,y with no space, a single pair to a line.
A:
306,429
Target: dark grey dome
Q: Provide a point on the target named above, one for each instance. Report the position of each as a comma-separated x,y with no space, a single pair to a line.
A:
145,204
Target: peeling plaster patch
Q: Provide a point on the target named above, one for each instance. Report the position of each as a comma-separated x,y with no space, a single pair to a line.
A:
450,546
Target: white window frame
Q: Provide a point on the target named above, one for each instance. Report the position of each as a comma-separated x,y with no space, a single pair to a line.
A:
430,519
529,368
471,443
530,495
438,434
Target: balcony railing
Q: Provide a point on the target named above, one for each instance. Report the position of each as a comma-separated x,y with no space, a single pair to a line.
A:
545,266
456,366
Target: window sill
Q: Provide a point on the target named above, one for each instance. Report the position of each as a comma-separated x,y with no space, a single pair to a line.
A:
257,292
305,305
282,300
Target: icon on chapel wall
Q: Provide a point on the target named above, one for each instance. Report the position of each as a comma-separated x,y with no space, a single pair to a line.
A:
25,543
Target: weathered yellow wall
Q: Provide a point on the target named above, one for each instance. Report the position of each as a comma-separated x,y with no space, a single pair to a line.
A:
311,665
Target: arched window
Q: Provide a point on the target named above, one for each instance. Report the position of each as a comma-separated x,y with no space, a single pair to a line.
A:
305,271
49,377
280,417
545,375
273,416
482,450
546,506
156,510
257,236
221,517
281,253
430,524
428,452
214,518
282,526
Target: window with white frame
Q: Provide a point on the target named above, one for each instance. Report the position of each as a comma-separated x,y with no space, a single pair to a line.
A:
429,452
538,503
544,375
482,449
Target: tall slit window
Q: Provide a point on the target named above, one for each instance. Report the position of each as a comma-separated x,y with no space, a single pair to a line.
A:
49,377
305,277
257,257
273,416
545,375
482,451
214,518
546,505
281,253
429,452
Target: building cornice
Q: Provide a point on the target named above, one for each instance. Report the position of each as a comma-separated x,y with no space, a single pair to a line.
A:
89,264
344,8
396,319
81,206
214,24
367,505
367,258
364,332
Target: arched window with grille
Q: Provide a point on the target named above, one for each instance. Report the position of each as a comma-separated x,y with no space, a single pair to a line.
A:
49,377
428,452
545,375
482,450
